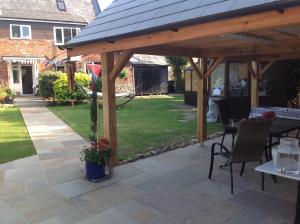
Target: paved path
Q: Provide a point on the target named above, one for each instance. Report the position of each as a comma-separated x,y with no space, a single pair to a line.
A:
172,188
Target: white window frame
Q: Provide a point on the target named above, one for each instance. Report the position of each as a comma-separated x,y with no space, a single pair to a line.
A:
62,33
21,32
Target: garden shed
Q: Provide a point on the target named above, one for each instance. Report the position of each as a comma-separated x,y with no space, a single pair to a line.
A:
259,32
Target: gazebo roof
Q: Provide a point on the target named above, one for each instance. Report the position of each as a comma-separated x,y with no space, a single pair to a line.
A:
127,18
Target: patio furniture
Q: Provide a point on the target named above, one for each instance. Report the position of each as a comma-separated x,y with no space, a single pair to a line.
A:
230,116
252,137
271,169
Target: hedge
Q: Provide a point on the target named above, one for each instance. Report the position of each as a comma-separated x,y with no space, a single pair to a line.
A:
60,88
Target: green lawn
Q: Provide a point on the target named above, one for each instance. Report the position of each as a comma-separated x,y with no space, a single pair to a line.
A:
143,124
15,142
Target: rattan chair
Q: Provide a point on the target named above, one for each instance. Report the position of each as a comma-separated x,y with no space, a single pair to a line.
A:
251,140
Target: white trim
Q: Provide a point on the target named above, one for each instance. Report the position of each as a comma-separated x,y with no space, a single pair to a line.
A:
63,34
21,32
44,21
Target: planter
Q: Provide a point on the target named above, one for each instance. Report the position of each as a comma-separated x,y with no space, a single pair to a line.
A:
94,171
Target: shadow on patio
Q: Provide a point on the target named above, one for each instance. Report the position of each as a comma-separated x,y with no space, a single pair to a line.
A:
170,188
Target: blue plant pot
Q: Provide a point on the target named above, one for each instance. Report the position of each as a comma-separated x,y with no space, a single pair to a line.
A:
94,171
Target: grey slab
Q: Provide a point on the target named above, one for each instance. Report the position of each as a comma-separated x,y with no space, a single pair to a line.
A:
266,203
248,216
53,155
171,204
175,181
73,143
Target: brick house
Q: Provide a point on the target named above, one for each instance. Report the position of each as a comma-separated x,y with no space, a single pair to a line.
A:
29,39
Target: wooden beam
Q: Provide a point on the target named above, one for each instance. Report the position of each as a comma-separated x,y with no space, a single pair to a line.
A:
249,37
169,51
213,66
254,84
109,105
121,63
258,21
195,67
251,70
280,47
71,68
202,102
266,67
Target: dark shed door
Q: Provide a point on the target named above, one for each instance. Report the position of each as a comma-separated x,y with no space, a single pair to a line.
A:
151,79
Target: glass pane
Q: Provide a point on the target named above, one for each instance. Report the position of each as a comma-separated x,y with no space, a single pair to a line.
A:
218,81
16,31
188,80
58,36
194,82
238,79
25,31
67,35
61,5
74,32
16,77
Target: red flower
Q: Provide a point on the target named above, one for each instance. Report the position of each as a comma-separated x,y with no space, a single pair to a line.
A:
104,141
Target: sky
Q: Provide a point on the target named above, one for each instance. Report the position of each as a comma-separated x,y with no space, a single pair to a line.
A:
104,3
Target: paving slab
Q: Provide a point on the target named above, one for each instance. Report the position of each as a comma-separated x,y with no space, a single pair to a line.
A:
171,188
171,204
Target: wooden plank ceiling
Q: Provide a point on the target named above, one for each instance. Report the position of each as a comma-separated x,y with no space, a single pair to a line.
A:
260,44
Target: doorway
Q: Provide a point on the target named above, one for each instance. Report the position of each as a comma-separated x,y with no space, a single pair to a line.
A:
27,79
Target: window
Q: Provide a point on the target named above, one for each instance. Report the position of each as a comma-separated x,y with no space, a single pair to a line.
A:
63,34
218,81
61,6
20,31
16,76
238,79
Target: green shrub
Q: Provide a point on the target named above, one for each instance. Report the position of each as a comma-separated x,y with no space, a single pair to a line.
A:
60,88
123,74
7,95
46,80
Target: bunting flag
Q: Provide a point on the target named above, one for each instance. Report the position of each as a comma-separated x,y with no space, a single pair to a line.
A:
95,71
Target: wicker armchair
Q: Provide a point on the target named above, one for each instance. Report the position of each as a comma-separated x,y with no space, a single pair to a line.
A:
251,140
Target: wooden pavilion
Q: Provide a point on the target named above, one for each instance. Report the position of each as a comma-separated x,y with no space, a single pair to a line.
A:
257,31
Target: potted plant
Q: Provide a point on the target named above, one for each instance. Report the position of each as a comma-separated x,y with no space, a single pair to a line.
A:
99,150
95,157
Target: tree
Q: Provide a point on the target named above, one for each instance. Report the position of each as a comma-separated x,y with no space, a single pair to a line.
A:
177,63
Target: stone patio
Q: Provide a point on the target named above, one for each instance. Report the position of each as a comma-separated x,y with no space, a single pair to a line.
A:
172,188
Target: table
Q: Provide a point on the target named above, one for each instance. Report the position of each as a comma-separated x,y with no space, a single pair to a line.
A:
269,168
279,127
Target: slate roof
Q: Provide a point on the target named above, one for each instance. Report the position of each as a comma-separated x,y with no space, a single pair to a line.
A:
143,59
77,11
128,17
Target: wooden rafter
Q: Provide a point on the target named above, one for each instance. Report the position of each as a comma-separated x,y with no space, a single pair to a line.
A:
265,68
195,67
281,47
252,72
121,63
169,51
213,66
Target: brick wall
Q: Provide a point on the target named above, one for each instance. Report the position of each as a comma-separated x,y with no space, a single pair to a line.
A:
23,48
3,72
126,84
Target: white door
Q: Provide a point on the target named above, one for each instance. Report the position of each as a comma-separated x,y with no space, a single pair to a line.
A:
17,78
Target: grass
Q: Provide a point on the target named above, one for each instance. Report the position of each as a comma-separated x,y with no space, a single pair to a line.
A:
15,142
143,124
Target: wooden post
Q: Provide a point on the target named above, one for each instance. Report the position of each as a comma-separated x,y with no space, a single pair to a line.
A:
202,102
254,69
71,68
109,105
